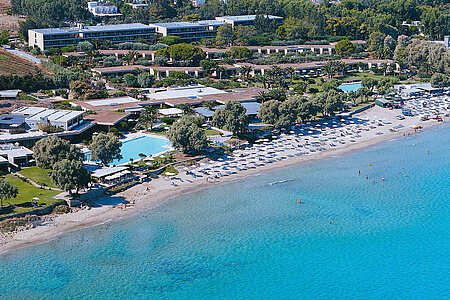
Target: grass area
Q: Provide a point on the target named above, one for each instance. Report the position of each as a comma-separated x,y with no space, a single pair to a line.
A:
212,132
27,192
370,100
171,170
2,56
38,175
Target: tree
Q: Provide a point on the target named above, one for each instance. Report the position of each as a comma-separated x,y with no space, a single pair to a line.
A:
148,115
186,135
239,53
186,52
224,35
84,90
369,83
231,117
209,105
344,48
170,40
243,34
245,71
208,66
7,191
263,96
130,57
220,70
105,148
52,149
131,80
85,47
290,72
4,37
439,80
145,80
69,175
268,112
186,108
376,43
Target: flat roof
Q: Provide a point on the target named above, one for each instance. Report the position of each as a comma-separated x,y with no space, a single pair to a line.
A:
192,93
202,23
88,29
39,113
112,101
105,171
107,118
246,18
170,111
12,119
9,93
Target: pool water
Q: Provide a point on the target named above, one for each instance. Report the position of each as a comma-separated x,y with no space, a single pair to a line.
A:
350,87
144,144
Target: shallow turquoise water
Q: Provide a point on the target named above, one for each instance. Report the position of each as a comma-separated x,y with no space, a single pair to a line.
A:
146,144
348,87
250,239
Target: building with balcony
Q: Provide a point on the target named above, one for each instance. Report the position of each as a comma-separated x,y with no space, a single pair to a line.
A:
66,36
246,20
103,9
189,31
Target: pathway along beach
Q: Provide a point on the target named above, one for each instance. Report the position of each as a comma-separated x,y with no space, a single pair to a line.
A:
376,130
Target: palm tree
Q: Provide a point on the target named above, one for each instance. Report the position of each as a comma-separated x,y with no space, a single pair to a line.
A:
186,108
277,73
149,115
96,43
263,96
290,72
130,56
209,105
263,79
245,71
220,70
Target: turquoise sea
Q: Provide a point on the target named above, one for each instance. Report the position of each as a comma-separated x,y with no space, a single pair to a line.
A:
250,239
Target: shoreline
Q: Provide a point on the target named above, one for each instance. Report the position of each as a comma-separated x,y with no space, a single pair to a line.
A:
151,194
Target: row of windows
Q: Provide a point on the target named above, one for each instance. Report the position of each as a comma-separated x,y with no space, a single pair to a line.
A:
61,43
96,34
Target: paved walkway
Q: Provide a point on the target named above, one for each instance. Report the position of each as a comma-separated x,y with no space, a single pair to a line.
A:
25,55
34,183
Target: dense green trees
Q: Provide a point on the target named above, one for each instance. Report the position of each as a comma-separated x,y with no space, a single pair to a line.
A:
69,175
105,148
148,115
52,149
7,191
51,12
185,134
145,80
344,48
187,53
231,117
440,80
84,90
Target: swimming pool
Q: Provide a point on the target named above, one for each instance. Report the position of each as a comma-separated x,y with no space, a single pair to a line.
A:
348,87
143,144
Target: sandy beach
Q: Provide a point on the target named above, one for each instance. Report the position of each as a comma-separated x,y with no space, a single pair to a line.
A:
377,125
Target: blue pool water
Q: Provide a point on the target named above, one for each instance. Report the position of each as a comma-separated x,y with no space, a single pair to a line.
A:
145,144
250,239
348,87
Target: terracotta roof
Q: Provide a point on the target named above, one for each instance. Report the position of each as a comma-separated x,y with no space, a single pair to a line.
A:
107,118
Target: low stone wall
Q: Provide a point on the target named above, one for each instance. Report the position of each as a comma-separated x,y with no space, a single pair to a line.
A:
38,212
362,109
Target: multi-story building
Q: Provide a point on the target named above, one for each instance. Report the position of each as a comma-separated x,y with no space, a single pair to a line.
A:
189,31
101,9
60,37
246,20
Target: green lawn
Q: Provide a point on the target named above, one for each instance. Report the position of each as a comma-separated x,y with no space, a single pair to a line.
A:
27,192
38,175
212,132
